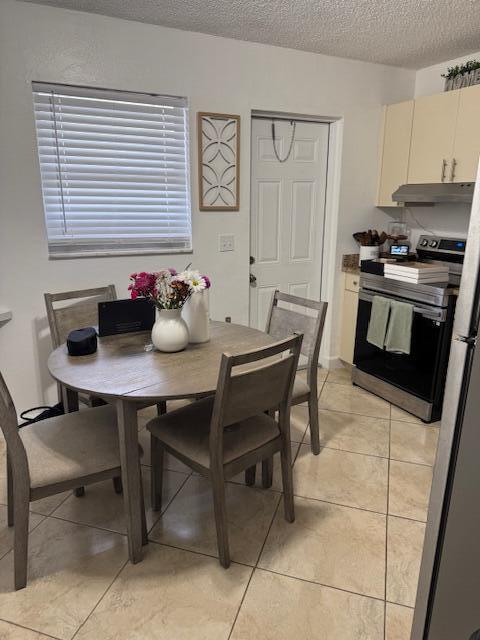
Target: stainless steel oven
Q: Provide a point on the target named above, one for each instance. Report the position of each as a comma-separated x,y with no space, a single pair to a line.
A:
414,382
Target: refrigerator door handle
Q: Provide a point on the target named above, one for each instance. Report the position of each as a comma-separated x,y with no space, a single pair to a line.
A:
471,340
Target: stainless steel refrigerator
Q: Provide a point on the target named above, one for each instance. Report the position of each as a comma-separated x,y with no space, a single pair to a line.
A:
448,598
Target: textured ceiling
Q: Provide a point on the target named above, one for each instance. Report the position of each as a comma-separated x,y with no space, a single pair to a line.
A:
407,33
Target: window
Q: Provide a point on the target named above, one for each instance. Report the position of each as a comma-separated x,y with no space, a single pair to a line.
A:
114,170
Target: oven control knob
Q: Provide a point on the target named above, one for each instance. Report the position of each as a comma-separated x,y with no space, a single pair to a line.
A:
424,243
433,244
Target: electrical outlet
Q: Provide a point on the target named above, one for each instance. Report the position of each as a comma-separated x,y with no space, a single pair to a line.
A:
226,243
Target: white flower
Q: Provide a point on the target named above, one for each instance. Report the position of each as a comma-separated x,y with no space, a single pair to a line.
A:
197,284
188,275
193,279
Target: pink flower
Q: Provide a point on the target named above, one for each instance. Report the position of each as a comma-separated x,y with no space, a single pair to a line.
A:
173,272
208,283
143,284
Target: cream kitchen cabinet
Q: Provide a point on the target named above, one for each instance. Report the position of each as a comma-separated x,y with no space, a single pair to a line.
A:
349,316
433,138
397,130
466,149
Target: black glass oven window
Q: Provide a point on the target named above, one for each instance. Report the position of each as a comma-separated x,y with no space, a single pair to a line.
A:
416,373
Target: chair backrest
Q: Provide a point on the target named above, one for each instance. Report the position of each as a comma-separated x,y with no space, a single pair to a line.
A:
9,426
307,318
253,390
83,312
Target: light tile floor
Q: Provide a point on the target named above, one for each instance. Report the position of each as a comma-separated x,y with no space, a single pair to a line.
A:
346,569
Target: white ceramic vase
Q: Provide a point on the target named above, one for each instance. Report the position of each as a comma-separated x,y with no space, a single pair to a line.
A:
195,312
170,332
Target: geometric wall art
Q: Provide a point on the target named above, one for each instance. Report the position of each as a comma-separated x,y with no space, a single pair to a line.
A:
218,161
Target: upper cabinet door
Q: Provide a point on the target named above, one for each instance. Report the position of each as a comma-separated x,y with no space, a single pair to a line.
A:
467,137
397,130
433,133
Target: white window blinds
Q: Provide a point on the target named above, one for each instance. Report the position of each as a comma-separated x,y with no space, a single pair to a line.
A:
114,170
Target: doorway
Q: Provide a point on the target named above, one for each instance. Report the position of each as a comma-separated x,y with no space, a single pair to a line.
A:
287,210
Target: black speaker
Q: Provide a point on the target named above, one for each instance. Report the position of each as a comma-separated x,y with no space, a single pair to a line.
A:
82,342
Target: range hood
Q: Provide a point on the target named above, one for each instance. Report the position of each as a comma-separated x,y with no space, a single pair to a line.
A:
430,194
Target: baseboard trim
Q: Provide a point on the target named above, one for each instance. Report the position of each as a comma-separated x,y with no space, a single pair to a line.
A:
330,362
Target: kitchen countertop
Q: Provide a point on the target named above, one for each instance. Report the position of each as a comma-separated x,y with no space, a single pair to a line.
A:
350,263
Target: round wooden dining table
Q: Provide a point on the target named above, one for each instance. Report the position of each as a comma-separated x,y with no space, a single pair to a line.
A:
126,373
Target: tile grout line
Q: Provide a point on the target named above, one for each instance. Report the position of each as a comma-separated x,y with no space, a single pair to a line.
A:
98,527
241,603
400,604
355,453
370,455
101,598
348,506
323,584
114,531
3,555
38,513
255,567
162,512
204,554
355,413
22,626
278,573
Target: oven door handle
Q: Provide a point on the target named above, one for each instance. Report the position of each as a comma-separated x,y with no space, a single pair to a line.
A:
433,313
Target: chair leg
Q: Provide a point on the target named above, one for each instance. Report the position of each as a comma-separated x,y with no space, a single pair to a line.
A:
267,464
218,486
117,485
250,474
314,427
161,408
95,401
20,544
267,472
70,404
157,455
10,508
287,480
144,515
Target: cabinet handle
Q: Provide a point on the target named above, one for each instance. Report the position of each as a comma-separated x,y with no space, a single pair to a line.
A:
444,168
452,173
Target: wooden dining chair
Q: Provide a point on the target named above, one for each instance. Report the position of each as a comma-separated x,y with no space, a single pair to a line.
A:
52,456
307,317
222,435
81,312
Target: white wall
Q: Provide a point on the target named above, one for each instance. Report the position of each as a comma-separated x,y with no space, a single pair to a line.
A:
216,74
446,220
429,80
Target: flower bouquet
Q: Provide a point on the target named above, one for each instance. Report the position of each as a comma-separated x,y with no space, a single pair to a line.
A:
170,292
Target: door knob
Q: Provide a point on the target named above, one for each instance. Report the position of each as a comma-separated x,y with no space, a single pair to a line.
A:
253,280
252,260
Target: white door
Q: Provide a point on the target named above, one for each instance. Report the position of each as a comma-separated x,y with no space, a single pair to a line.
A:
287,212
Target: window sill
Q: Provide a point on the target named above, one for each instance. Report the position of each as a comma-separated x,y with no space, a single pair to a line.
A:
117,254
